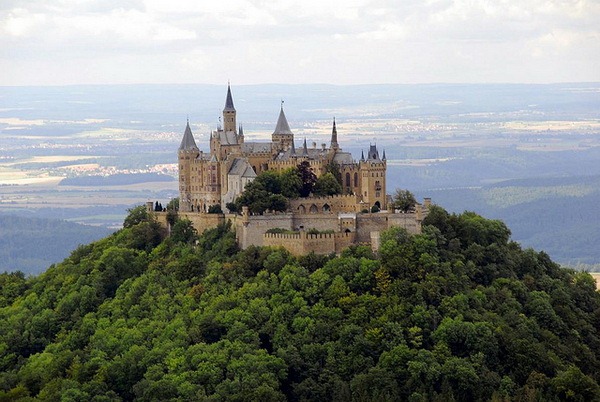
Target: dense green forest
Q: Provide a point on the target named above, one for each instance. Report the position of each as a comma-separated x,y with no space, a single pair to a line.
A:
459,312
557,215
30,245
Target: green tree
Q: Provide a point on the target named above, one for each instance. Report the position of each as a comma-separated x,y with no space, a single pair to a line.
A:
327,185
278,202
184,232
334,168
291,183
215,209
403,200
308,178
135,216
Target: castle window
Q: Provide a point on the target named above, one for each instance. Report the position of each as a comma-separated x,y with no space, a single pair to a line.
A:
326,208
355,179
347,179
313,209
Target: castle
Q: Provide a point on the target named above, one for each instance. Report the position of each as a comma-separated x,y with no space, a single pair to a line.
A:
218,177
320,224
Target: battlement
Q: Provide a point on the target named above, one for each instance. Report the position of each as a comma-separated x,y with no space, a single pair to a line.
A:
303,242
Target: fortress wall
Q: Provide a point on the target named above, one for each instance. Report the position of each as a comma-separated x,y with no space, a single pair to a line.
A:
202,221
378,222
316,221
251,232
303,243
336,203
367,223
408,221
291,242
343,241
318,243
161,217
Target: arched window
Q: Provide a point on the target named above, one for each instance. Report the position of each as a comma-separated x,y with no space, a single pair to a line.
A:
313,209
326,208
355,179
301,209
347,179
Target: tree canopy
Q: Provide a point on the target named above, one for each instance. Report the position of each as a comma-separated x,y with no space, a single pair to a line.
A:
458,312
403,200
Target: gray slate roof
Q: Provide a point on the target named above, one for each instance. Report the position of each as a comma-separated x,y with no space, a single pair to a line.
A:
311,153
187,142
241,167
282,126
373,153
343,158
229,101
256,147
227,137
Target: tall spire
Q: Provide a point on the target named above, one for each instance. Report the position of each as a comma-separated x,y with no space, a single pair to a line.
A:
282,126
229,114
241,130
187,142
383,155
229,101
304,148
362,155
293,151
334,141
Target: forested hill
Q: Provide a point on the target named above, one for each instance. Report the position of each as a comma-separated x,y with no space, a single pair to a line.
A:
457,313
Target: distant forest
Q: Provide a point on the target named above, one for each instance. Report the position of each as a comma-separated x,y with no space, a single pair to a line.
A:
31,245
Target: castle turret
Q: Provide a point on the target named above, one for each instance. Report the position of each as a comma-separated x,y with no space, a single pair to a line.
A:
188,152
373,170
282,137
229,113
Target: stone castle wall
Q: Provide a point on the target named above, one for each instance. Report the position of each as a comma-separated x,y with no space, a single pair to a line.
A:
303,243
332,204
349,227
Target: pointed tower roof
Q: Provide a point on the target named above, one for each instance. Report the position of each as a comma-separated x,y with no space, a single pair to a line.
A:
362,155
282,126
241,130
373,152
187,142
383,155
334,141
293,150
304,149
229,101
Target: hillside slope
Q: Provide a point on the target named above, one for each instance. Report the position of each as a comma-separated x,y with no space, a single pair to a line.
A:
457,313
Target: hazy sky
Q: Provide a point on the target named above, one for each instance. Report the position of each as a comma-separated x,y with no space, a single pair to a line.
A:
278,41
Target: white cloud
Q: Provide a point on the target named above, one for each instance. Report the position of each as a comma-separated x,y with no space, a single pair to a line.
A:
351,41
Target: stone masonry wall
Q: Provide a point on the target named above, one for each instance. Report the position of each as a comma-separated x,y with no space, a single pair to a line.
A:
303,243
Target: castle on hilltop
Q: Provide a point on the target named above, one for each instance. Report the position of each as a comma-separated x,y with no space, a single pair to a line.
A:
209,181
219,176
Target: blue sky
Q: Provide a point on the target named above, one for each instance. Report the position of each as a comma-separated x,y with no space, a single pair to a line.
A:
56,42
